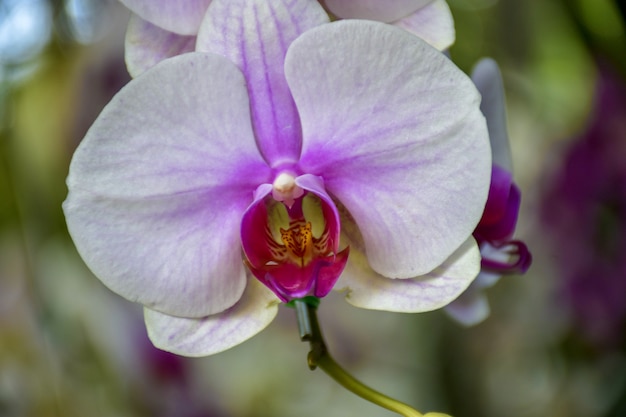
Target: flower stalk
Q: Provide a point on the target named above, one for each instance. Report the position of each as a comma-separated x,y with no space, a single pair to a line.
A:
319,357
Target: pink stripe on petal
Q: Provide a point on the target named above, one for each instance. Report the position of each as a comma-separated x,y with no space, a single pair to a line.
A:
255,35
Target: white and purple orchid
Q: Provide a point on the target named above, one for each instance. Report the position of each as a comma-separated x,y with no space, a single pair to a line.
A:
285,140
162,29
494,233
431,20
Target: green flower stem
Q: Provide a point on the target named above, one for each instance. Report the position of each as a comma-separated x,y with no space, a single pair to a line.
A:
306,313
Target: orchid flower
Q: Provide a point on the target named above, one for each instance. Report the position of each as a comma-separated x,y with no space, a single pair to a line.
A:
584,212
500,253
431,20
219,183
162,29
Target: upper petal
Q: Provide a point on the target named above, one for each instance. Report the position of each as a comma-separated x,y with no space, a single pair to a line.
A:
146,45
182,17
255,35
158,185
488,79
213,334
382,11
395,130
433,23
367,289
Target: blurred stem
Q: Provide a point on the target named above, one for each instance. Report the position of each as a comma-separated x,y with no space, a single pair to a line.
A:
308,325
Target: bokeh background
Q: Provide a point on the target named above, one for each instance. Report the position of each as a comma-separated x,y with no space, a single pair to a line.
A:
555,344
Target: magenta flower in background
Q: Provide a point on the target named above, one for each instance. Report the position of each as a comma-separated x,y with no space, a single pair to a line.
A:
584,213
161,29
494,234
431,20
282,134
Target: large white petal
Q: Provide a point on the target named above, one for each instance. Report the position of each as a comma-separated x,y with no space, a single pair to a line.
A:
367,289
158,186
395,131
213,334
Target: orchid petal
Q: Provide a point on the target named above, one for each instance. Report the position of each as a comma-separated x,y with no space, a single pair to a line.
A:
382,11
499,196
255,35
181,17
253,228
367,289
213,334
470,308
398,138
433,23
504,227
157,188
147,45
488,79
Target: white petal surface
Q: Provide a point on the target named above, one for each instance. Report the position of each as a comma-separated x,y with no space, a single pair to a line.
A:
382,11
367,289
433,23
182,17
213,334
158,186
255,35
395,130
488,79
146,45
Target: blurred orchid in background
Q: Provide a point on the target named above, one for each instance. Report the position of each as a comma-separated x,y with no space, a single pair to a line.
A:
500,254
585,211
270,140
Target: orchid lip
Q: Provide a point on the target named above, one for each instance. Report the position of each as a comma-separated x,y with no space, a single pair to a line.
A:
290,236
